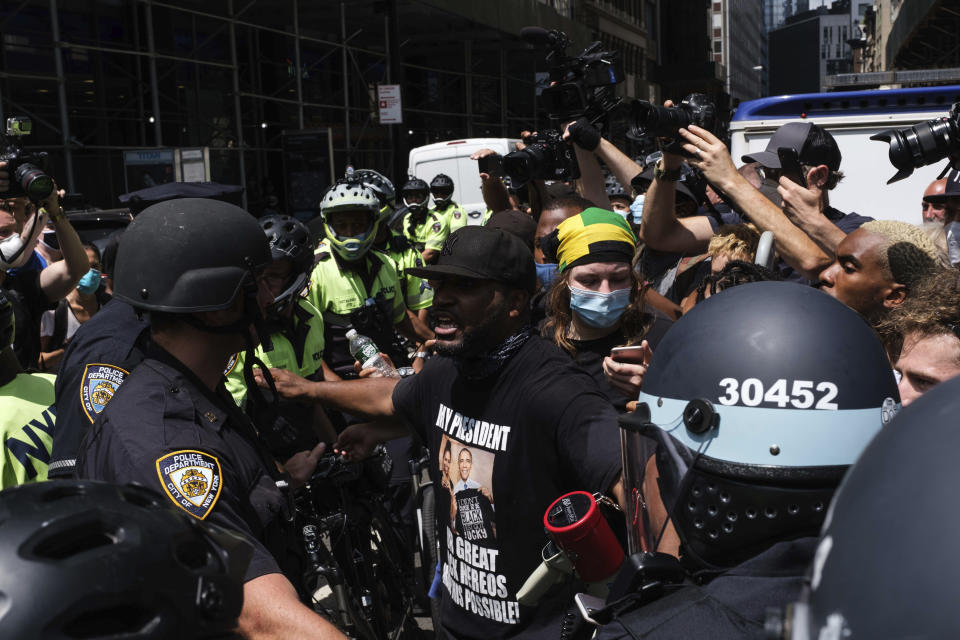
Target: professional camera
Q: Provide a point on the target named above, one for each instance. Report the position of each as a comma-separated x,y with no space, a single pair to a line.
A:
923,143
547,157
582,86
27,171
649,119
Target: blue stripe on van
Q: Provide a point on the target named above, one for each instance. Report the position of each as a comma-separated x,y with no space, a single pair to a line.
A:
844,103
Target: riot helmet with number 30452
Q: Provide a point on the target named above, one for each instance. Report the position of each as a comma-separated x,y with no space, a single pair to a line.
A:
759,399
886,564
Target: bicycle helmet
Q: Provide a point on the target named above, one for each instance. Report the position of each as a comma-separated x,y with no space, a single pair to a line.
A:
415,194
85,559
441,187
759,399
615,189
885,566
379,183
350,196
289,240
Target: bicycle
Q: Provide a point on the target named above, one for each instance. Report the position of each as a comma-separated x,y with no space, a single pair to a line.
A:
425,501
360,574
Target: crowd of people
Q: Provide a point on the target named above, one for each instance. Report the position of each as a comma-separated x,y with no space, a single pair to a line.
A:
580,338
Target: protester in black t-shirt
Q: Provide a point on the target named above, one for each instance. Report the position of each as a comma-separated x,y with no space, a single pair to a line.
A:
597,302
534,427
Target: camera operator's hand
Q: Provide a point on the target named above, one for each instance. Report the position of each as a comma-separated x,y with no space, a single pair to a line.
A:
710,156
4,178
289,385
583,134
483,153
520,145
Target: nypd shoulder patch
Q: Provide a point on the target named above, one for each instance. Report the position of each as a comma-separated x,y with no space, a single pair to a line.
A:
191,479
436,227
231,364
457,214
99,383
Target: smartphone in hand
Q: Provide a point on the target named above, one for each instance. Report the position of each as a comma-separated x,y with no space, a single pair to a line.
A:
790,165
633,353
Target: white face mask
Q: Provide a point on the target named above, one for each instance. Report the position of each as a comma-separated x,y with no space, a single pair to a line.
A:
14,251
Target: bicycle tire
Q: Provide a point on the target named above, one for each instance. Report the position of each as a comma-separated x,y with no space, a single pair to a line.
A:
430,554
393,564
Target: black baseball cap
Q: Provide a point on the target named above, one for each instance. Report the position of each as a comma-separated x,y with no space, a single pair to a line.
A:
484,254
516,222
951,190
814,145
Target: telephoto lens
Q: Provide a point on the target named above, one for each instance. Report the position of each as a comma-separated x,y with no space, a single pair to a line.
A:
922,144
36,184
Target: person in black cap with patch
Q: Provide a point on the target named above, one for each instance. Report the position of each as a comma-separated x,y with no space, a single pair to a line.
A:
534,427
172,425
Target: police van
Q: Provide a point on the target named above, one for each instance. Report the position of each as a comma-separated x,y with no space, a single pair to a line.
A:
453,159
852,117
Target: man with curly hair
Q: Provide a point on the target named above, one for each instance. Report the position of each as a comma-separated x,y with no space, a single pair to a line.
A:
877,266
923,335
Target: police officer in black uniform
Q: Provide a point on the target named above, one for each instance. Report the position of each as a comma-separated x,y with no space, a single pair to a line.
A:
759,399
100,356
193,265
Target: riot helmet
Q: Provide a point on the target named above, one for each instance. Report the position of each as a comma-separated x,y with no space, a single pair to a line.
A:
415,195
441,188
85,559
350,213
289,240
758,399
885,566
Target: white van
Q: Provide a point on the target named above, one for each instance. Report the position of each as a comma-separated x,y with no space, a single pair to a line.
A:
852,117
453,159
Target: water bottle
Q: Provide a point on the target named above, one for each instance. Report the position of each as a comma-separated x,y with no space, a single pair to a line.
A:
365,351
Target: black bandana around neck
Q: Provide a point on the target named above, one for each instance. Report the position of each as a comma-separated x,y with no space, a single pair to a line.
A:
485,365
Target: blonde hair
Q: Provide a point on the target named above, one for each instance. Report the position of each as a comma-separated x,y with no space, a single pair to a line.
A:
736,241
908,253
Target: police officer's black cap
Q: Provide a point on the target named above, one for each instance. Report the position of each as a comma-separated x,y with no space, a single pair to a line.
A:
484,254
189,255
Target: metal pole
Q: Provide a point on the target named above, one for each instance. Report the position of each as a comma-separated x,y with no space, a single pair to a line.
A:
154,86
389,62
296,61
62,95
236,104
468,84
346,84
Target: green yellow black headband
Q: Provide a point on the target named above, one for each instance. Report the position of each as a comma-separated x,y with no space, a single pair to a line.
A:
596,235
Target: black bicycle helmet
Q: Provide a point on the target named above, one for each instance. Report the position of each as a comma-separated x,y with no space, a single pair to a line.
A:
289,240
759,399
418,188
614,188
189,255
441,187
92,560
379,183
886,565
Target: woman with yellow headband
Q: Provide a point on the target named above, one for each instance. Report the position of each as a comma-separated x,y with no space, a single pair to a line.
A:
596,302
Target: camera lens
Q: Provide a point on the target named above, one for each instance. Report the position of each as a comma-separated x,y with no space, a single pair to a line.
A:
651,120
34,182
917,146
524,166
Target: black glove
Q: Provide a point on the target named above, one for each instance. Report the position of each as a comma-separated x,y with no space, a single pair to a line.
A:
585,135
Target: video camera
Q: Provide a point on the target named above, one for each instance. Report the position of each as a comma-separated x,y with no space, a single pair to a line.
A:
580,86
649,119
923,143
27,171
547,156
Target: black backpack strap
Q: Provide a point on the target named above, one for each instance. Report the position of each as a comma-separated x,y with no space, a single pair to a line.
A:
59,324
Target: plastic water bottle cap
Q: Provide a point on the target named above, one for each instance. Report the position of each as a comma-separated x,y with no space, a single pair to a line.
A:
352,333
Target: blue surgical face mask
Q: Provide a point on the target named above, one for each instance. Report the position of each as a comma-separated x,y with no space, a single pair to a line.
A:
546,274
597,309
636,209
90,282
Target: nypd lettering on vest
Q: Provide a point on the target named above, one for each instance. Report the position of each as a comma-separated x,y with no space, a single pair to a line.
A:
97,386
192,480
231,363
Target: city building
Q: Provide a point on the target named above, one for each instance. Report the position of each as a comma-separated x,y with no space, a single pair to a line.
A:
809,47
737,32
